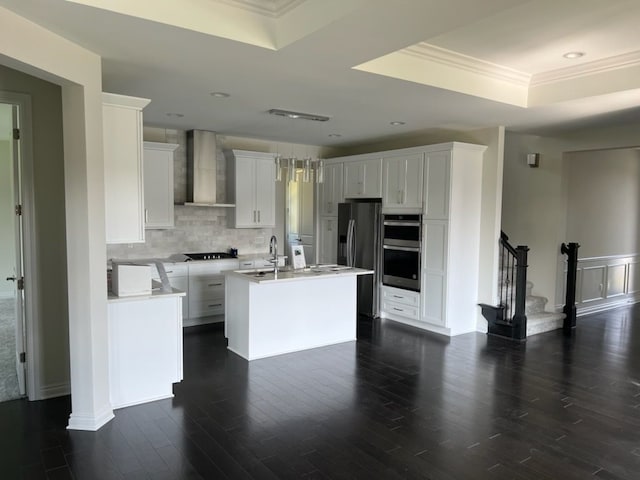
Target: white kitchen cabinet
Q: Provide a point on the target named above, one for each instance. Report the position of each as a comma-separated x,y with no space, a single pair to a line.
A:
178,274
251,186
363,178
262,262
402,177
145,347
451,237
437,185
123,168
330,190
206,290
158,185
328,240
397,302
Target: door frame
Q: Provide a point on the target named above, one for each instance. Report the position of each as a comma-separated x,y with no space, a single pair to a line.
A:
29,244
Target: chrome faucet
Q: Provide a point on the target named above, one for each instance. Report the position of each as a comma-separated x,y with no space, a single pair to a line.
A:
273,249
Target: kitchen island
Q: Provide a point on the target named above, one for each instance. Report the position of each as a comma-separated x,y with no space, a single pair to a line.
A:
268,314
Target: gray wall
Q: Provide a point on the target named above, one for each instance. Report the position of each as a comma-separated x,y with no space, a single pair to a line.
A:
48,168
535,200
603,195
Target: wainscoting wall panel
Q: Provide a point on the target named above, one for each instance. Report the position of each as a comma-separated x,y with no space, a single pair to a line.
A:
602,282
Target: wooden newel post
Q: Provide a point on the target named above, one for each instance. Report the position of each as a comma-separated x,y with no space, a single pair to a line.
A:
520,317
571,251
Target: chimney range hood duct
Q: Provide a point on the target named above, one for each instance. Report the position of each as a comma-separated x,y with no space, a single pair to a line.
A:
201,169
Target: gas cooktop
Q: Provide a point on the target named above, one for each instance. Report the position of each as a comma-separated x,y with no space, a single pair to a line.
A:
208,256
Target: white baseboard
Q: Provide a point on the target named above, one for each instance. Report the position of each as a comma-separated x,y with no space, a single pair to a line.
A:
88,422
602,307
52,391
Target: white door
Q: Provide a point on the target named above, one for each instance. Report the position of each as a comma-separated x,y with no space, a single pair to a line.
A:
12,367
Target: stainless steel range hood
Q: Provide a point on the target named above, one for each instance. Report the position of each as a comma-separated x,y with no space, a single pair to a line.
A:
201,169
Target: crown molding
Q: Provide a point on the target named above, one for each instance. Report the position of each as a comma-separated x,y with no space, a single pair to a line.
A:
269,8
626,60
453,59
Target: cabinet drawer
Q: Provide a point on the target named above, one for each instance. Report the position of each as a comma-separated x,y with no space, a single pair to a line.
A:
246,264
397,295
205,308
176,269
206,287
401,310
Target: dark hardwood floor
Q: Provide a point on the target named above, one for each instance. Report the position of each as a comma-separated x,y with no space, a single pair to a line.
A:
398,403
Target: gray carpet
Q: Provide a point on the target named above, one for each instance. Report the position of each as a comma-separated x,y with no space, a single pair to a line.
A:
8,377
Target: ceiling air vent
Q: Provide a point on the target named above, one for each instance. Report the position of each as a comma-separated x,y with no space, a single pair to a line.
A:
305,116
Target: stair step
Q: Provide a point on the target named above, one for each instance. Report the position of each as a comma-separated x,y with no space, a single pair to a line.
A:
534,304
544,322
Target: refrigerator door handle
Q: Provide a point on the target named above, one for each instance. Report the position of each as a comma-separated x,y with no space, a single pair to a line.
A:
348,243
351,243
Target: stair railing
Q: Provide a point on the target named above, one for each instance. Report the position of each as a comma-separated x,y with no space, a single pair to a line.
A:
571,251
513,288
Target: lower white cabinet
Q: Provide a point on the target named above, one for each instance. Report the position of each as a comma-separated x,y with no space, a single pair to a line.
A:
248,264
434,271
178,274
397,302
145,348
206,291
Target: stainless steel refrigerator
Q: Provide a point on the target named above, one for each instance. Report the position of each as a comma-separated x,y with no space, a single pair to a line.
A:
359,245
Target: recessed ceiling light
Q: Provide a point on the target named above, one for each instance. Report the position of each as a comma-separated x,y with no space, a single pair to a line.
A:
335,135
220,94
572,55
396,123
175,115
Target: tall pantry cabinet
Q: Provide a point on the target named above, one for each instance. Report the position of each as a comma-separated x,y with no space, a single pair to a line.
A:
451,237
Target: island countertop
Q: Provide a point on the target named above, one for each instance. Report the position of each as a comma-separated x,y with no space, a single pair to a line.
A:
266,275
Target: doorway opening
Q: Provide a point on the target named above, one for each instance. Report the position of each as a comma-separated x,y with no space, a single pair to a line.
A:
12,320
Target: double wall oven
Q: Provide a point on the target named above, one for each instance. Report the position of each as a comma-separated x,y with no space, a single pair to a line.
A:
401,244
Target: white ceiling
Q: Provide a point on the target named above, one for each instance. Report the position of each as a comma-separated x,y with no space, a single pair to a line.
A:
433,64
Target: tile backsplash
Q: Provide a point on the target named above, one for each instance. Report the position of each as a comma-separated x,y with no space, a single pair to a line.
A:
197,229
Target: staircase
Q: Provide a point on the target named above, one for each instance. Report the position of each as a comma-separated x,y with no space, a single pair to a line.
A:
539,320
519,313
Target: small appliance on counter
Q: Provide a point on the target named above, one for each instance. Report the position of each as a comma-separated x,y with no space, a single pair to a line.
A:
129,279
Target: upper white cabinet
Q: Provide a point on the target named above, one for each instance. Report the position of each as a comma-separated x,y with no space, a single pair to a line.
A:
123,168
330,190
363,178
402,182
437,184
158,184
251,186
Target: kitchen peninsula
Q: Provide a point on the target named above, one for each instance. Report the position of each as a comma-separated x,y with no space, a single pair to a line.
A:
269,313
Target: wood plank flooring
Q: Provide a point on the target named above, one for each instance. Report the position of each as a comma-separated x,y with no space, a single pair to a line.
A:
399,403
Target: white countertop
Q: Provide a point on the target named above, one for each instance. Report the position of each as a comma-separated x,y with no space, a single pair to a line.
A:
262,275
157,293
